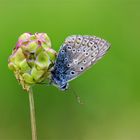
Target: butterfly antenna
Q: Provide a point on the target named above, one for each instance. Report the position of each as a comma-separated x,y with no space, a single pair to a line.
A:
76,96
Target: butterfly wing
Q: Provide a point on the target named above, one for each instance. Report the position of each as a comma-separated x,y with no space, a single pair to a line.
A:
76,55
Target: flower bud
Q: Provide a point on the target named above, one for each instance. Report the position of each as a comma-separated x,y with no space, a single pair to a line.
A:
32,59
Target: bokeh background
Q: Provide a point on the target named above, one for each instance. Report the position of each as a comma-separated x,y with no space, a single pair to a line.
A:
110,90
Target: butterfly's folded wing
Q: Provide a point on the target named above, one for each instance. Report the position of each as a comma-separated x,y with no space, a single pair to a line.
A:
77,54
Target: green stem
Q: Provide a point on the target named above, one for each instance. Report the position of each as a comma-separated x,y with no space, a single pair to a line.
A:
32,114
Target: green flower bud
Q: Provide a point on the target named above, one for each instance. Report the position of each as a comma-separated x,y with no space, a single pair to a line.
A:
32,59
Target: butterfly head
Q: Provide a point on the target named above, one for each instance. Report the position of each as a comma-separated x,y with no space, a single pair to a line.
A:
64,86
61,84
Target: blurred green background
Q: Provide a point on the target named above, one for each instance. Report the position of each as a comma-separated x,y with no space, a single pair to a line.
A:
110,90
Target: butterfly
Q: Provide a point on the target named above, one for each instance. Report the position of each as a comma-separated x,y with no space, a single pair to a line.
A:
77,54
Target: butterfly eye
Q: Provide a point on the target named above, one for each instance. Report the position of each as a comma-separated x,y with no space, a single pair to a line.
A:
66,59
72,72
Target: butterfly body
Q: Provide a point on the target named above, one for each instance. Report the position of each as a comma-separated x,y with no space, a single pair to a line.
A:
76,55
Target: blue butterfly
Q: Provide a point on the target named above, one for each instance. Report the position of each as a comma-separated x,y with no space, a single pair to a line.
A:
76,55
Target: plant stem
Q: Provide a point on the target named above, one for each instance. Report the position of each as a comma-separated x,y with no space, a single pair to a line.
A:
32,115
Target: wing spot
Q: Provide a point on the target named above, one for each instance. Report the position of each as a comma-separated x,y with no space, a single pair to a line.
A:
79,38
78,50
72,72
62,51
85,40
73,38
84,50
69,47
74,50
84,61
81,68
90,44
87,54
68,65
